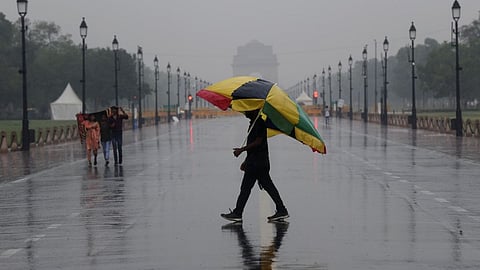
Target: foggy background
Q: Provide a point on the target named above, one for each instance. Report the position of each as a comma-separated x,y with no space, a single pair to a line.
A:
202,36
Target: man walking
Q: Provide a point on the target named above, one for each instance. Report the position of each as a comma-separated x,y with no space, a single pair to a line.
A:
256,167
116,124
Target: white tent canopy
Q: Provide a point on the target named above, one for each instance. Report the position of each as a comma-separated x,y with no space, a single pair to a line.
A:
66,106
304,99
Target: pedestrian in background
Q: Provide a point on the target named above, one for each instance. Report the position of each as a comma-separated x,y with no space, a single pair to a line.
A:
92,138
327,115
105,138
116,125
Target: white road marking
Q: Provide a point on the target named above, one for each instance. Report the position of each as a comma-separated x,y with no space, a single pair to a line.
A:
426,192
53,226
38,237
442,200
396,177
417,187
72,215
387,173
403,181
9,252
475,218
19,180
458,209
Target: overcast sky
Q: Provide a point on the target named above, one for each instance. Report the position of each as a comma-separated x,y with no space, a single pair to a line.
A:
202,36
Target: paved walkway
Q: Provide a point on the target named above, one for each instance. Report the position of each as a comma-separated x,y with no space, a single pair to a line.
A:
381,199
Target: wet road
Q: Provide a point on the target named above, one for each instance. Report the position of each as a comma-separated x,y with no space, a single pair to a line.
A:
380,199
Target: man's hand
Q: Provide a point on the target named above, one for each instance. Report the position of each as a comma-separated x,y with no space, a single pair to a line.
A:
237,151
242,166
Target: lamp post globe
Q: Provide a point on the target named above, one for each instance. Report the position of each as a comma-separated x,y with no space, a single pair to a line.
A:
412,32
456,10
115,43
22,7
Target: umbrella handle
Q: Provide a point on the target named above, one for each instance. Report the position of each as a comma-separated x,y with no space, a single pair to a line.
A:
251,127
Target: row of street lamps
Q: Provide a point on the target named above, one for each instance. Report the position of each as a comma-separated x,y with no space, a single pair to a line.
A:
22,7
115,48
384,100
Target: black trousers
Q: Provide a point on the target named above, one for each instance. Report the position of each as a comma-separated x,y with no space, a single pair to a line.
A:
265,181
117,142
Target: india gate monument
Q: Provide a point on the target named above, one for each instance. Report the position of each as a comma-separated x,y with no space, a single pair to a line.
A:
256,59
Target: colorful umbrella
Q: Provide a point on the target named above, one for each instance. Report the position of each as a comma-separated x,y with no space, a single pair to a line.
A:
281,114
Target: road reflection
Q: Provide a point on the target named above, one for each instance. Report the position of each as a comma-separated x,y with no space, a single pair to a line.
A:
267,255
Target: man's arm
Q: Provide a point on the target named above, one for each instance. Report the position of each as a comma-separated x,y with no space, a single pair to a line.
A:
252,145
124,114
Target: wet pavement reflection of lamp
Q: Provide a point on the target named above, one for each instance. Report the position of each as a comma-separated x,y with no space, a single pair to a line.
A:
22,11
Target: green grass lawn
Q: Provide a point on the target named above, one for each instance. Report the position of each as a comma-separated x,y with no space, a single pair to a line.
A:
472,115
16,125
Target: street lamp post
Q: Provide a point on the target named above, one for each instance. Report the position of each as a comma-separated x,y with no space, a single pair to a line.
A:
308,86
196,90
185,85
330,88
168,92
22,11
459,122
413,34
140,64
178,91
350,62
365,97
188,82
339,88
115,55
385,82
157,75
83,35
323,89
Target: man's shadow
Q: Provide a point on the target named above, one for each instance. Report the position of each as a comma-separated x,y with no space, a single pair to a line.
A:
267,254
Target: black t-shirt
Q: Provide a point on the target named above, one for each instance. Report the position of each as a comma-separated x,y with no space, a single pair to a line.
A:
257,158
